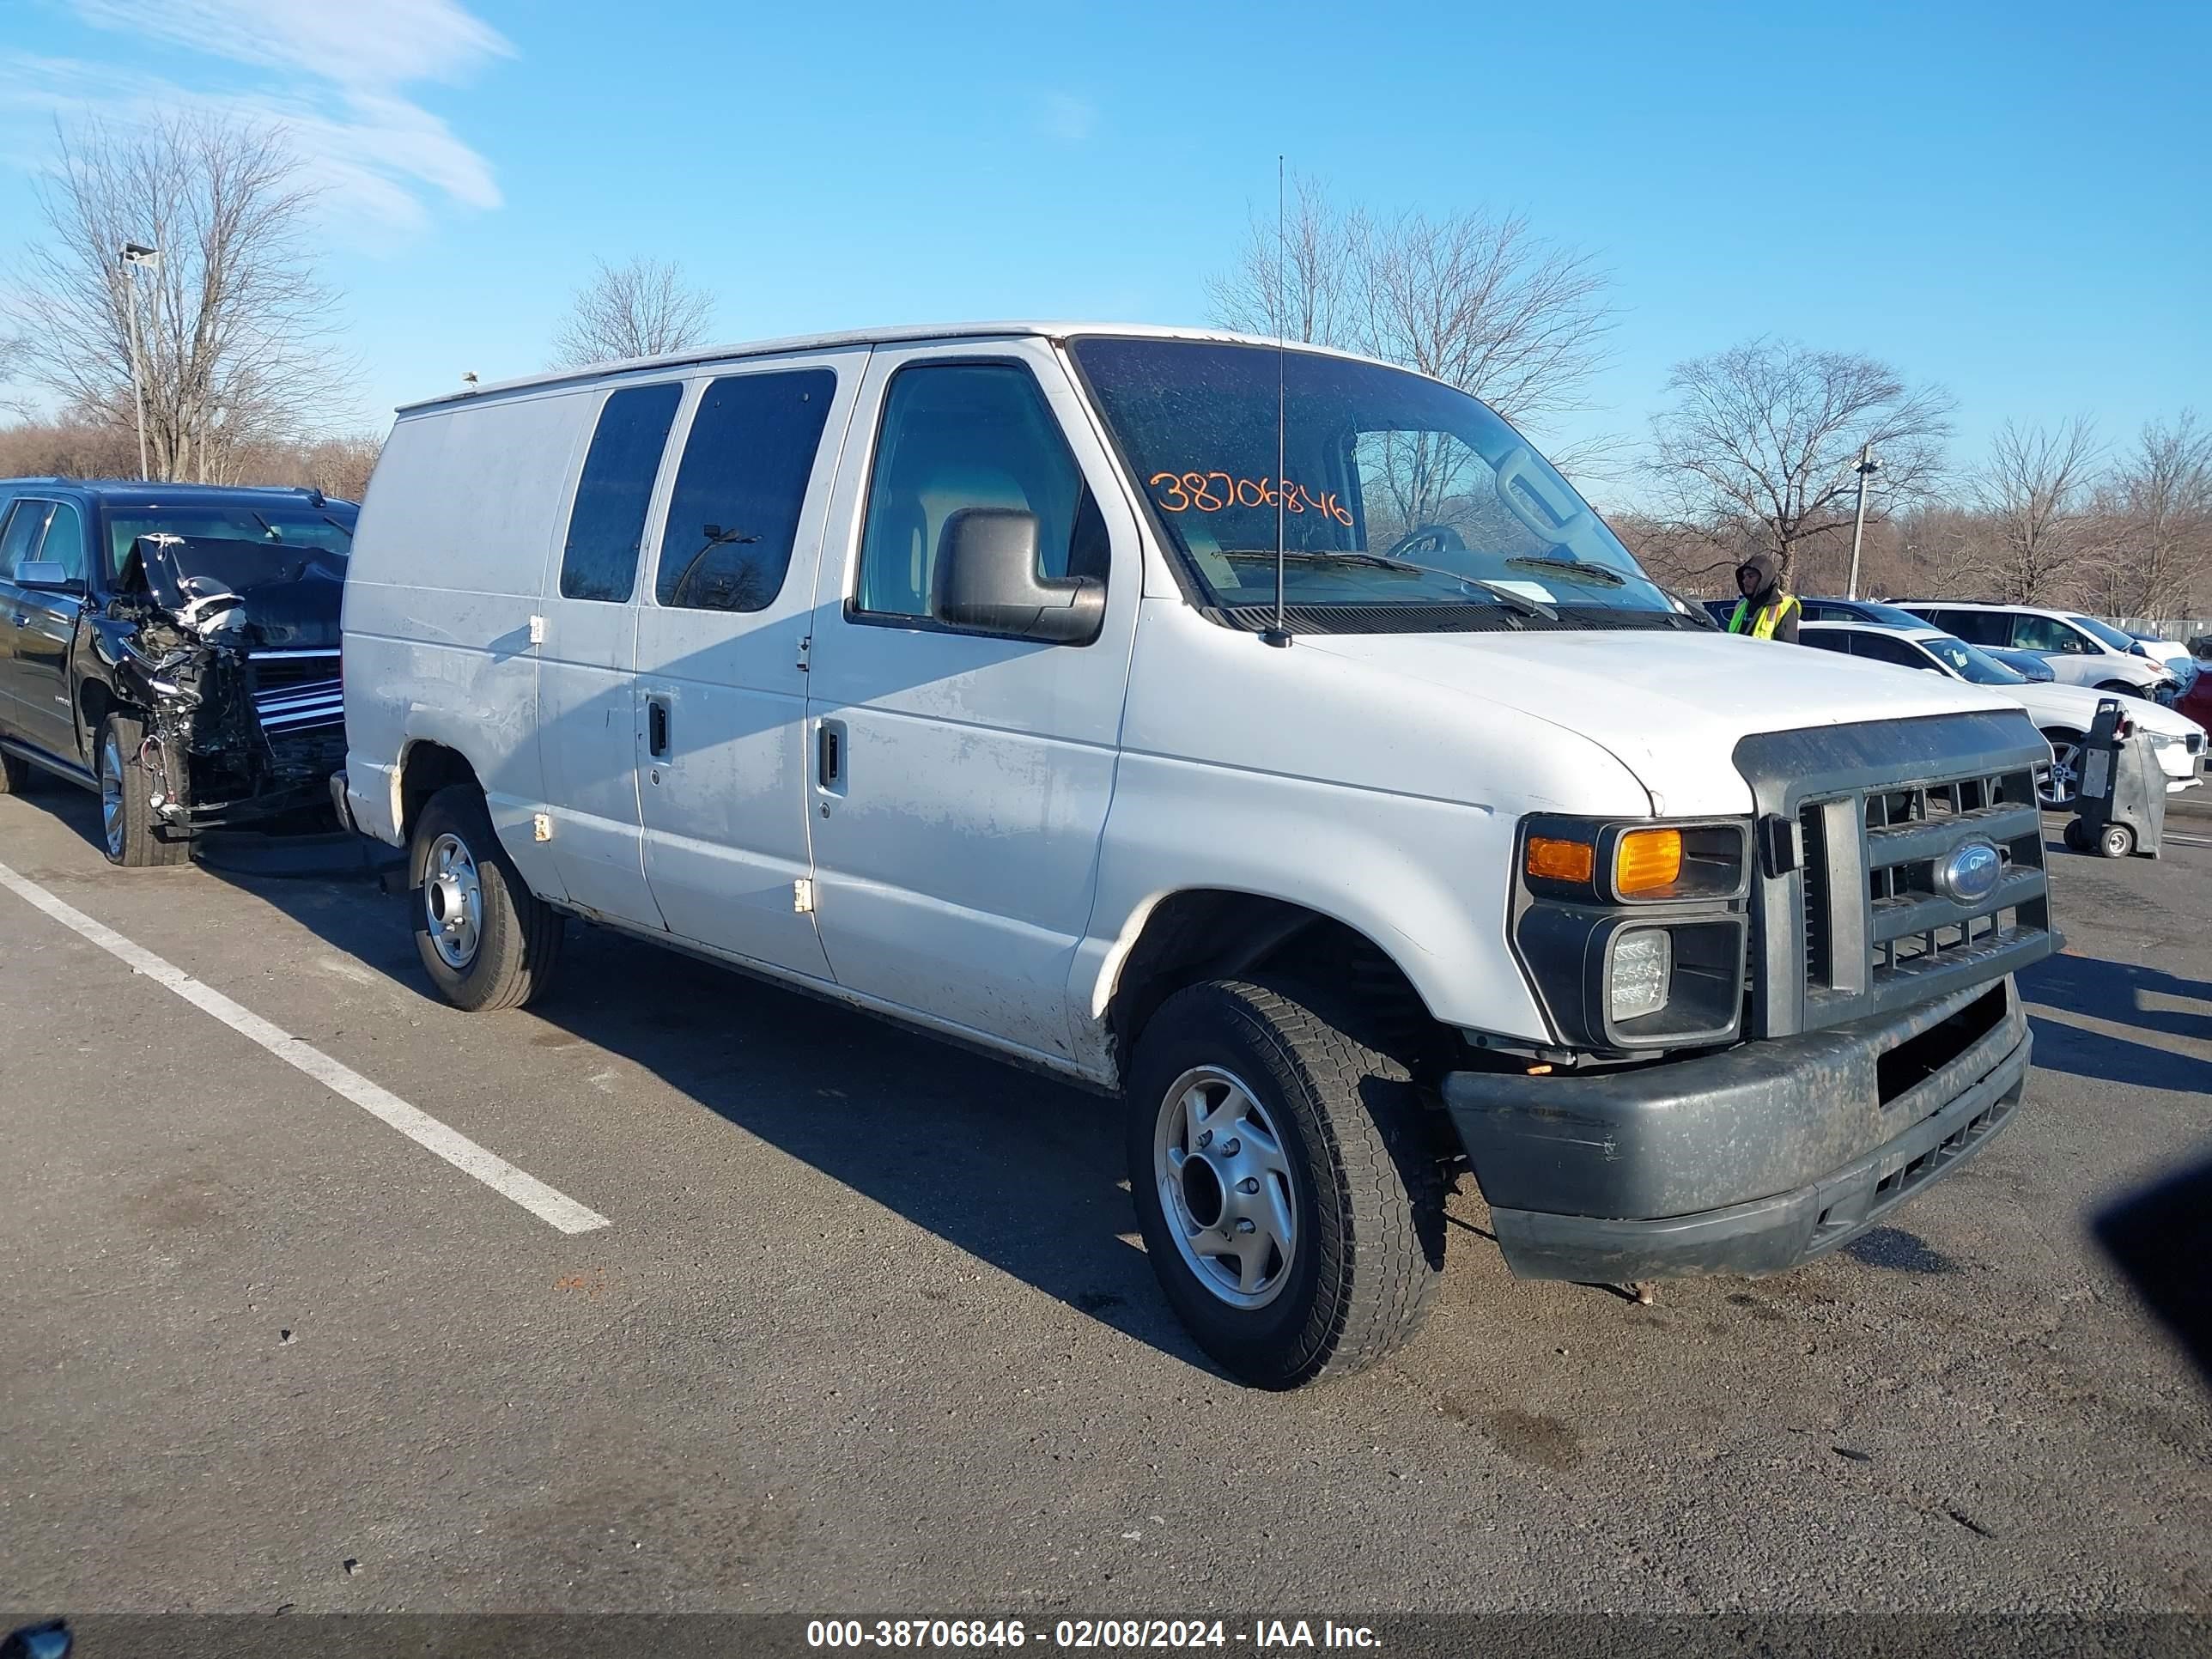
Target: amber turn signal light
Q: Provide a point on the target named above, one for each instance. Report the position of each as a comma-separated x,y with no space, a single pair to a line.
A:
1551,859
1647,862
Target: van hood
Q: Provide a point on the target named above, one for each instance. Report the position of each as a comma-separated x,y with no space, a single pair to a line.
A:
1670,706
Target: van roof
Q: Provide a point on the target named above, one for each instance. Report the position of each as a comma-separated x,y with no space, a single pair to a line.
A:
797,342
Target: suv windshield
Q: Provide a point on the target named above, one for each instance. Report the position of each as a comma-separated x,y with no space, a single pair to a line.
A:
1967,663
1394,490
275,523
2104,631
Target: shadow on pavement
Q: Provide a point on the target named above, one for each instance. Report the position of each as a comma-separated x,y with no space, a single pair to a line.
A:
2121,991
1020,1170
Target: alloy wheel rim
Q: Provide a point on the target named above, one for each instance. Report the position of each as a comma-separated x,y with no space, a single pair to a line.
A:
2061,778
110,797
452,901
1225,1187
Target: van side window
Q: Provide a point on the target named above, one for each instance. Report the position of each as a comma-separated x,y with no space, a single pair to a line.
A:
606,526
734,513
1975,626
958,436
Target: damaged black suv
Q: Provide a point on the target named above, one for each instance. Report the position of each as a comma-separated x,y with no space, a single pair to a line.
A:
175,647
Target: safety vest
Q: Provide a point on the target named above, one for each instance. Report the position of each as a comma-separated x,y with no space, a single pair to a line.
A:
1769,617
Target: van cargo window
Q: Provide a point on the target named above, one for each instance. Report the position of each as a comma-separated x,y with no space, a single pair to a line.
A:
606,526
958,436
734,515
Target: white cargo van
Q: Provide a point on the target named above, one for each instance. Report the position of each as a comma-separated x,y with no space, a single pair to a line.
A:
946,673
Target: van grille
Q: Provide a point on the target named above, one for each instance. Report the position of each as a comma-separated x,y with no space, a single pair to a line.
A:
1877,918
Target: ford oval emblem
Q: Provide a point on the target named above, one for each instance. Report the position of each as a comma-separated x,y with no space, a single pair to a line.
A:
1970,874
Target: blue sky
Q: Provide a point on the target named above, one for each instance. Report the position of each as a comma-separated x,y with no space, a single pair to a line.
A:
2015,201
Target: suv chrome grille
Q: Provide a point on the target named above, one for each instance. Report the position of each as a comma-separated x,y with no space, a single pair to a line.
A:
297,690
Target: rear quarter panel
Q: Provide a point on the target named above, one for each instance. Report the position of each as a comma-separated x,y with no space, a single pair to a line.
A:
449,561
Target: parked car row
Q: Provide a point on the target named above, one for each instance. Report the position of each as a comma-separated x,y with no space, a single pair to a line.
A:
2063,712
173,646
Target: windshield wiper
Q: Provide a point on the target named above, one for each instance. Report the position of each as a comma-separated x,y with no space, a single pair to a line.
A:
1518,602
1574,570
270,530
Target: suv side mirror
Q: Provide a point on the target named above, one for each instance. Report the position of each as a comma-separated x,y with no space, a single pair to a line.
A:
47,574
987,580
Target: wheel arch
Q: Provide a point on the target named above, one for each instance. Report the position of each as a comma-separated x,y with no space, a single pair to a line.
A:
1186,936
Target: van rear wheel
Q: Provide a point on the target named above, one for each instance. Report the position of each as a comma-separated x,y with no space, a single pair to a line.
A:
1288,1195
486,940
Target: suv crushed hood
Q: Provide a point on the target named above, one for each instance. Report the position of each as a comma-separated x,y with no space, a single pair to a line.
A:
1670,706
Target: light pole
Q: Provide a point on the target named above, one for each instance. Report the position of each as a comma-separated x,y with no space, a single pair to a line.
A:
133,255
1866,468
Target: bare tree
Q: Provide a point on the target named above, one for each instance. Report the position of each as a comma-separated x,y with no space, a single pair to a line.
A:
1293,280
2033,491
1475,299
2160,505
1765,435
235,331
641,309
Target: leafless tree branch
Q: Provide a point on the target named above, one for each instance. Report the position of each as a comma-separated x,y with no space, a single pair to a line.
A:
236,330
1764,435
641,309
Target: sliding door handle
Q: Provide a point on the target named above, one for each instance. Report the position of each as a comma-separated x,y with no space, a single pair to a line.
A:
656,727
830,754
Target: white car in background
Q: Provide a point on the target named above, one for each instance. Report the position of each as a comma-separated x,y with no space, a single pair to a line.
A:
2081,650
2062,713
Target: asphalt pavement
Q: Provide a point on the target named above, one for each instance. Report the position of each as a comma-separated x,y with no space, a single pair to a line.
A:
867,1326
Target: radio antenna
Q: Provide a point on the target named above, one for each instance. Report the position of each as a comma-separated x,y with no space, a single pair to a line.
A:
1278,635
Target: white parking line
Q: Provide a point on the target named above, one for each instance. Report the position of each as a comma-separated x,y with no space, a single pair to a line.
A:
556,1209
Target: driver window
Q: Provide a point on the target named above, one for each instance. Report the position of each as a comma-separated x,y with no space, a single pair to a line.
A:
65,542
2047,634
20,535
958,436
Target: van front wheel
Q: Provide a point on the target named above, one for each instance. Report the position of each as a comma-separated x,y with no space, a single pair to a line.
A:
486,940
1289,1198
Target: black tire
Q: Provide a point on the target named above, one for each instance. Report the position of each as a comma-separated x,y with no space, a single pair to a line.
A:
15,774
130,835
2076,836
1368,1221
516,945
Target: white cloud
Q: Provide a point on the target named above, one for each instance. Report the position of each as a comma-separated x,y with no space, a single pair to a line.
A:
1065,119
339,90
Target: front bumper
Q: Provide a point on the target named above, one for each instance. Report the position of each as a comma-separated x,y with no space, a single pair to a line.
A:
1749,1161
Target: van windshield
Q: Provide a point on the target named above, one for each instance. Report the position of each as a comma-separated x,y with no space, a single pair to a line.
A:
1394,490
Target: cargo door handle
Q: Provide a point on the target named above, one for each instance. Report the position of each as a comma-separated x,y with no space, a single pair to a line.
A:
830,754
656,727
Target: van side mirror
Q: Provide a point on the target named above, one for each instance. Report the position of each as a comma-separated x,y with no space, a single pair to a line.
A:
987,580
47,574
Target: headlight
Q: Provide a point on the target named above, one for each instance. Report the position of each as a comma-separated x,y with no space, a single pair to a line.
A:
1632,933
1636,981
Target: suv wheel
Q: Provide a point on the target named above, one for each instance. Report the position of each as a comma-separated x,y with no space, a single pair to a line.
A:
486,940
15,774
130,835
1288,1195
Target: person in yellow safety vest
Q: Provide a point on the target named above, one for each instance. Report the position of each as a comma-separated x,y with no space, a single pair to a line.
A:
1764,612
